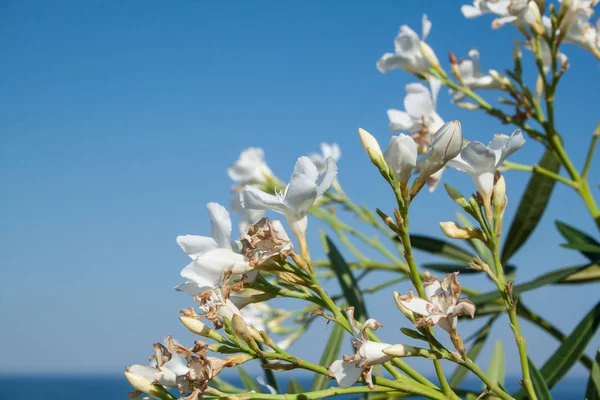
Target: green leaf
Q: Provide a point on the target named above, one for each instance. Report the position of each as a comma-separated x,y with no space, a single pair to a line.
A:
441,248
248,382
411,333
583,247
496,368
571,348
480,338
575,237
330,354
542,280
345,277
593,387
539,384
449,268
590,273
531,207
294,387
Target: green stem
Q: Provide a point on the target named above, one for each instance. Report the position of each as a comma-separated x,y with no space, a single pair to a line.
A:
493,386
550,329
556,177
590,153
317,394
514,323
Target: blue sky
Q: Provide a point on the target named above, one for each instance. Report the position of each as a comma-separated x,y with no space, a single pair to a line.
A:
118,121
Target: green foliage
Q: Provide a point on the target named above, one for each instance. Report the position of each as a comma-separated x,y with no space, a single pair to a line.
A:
531,206
578,240
539,384
481,336
295,387
345,277
441,248
496,368
330,354
593,387
248,382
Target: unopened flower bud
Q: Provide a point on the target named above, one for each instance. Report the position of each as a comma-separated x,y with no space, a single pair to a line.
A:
429,55
372,148
407,313
387,220
197,327
446,145
501,79
533,17
401,350
401,156
240,328
452,230
468,106
143,385
454,67
456,196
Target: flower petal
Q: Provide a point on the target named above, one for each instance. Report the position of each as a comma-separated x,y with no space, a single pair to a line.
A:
255,199
399,120
194,245
220,224
350,316
208,269
390,61
415,304
432,286
300,193
327,177
346,374
418,101
189,288
448,324
177,364
464,307
479,157
503,146
426,26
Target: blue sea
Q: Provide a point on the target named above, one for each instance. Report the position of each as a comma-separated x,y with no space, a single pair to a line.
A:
116,387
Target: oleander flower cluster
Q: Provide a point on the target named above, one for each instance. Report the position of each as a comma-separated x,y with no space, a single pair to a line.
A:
249,294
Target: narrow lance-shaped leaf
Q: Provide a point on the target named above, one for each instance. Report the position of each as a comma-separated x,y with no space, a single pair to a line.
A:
593,387
248,382
578,240
590,273
496,368
480,338
345,277
546,279
539,385
571,349
330,354
531,207
294,387
449,268
440,248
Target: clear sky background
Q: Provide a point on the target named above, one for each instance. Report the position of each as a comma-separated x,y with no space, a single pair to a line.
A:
118,121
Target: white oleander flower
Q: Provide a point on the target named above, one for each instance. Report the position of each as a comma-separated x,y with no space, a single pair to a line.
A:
481,162
250,168
580,31
368,353
470,71
166,369
247,217
407,51
508,11
265,240
440,308
447,143
482,7
401,156
420,116
305,186
212,257
327,151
